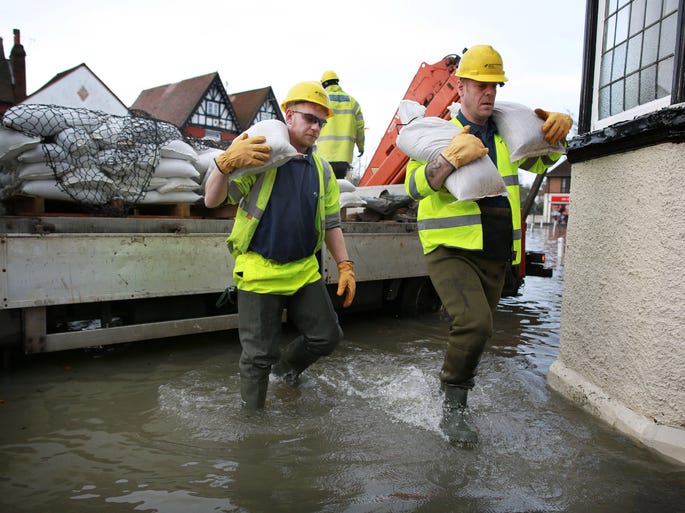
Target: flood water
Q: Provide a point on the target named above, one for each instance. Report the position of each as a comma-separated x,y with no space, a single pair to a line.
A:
157,427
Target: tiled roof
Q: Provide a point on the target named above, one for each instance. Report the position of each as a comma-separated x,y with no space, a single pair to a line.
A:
247,103
174,103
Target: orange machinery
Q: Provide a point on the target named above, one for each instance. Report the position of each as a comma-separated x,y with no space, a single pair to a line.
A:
435,87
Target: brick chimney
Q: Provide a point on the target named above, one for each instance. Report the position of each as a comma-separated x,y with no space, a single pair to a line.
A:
18,62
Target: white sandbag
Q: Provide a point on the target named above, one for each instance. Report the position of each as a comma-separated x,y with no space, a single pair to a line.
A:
45,152
47,189
76,142
123,163
178,149
48,120
156,182
178,185
205,159
110,133
126,131
88,178
276,133
351,199
152,197
521,129
346,185
424,139
13,144
476,180
175,168
409,110
40,170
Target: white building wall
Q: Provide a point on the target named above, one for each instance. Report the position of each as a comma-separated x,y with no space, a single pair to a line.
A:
79,89
622,335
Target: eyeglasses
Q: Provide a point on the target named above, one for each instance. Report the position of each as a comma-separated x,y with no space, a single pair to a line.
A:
311,118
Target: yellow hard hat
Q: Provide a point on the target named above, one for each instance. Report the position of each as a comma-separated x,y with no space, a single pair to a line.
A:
482,63
329,75
308,92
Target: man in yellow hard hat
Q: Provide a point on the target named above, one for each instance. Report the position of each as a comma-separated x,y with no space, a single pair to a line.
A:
284,217
470,246
339,136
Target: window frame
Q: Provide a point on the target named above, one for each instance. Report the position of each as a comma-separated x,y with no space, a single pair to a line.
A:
594,36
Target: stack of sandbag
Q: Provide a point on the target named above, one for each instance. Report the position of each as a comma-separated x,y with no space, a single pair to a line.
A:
176,177
93,157
12,144
349,197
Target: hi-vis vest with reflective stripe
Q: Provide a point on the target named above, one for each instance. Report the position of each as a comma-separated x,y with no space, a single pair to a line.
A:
338,137
252,193
445,221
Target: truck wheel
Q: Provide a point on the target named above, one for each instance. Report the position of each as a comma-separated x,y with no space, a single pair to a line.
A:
418,297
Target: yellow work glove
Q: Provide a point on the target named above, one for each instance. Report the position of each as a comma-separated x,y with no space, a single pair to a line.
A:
243,151
346,283
464,149
556,125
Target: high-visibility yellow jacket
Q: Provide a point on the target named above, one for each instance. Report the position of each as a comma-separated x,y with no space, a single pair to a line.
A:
253,272
445,221
343,130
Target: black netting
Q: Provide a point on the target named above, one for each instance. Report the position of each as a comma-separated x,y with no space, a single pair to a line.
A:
101,161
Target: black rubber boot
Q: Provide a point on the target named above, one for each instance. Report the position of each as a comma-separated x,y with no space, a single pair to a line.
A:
453,422
253,393
295,358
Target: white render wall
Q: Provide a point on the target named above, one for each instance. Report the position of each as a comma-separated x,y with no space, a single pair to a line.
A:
622,335
69,92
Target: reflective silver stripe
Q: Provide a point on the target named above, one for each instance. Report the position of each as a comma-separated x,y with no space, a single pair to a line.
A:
250,206
413,191
517,234
339,97
448,222
511,180
344,111
332,221
528,163
335,138
234,192
327,173
547,160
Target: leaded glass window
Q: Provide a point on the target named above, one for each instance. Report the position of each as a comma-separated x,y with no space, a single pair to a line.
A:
637,54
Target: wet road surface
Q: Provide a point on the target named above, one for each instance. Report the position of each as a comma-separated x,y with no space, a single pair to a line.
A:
156,427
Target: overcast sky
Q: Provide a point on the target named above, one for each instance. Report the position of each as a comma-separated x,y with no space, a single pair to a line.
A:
375,46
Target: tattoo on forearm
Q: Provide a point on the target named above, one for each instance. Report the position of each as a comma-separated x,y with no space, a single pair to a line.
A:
436,172
432,169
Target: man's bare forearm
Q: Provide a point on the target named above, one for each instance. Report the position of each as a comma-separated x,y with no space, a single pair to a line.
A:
437,172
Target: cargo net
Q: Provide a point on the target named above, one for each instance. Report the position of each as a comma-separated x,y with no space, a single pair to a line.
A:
101,161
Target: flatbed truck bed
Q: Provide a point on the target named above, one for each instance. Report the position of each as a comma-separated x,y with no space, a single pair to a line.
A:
72,282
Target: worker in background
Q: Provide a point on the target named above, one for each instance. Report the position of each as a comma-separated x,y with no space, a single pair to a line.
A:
284,216
470,245
344,130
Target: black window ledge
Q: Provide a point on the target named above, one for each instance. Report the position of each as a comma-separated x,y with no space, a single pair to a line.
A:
665,125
